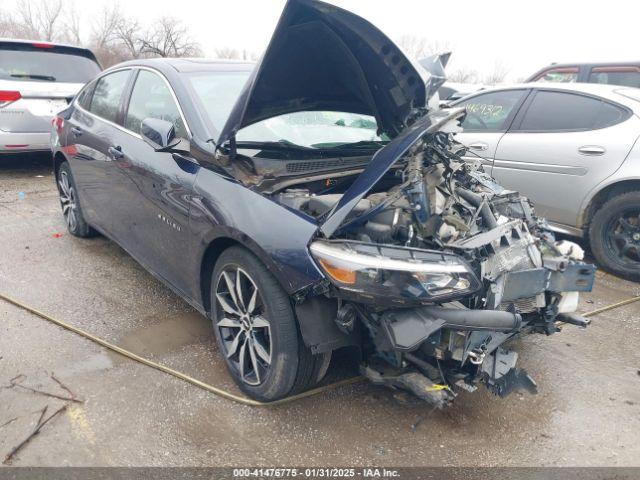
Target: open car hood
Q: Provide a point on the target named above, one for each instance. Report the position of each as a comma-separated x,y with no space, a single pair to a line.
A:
322,57
382,161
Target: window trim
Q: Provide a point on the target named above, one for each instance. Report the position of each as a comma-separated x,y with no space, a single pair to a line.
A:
515,126
127,99
94,83
124,107
526,92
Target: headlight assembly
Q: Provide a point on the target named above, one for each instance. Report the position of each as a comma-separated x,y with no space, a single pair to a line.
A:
398,275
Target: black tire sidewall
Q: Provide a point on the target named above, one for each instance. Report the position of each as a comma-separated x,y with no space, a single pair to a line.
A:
283,329
82,227
607,258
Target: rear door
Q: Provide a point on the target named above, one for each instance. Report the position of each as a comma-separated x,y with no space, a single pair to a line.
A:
93,133
560,146
154,224
46,77
488,118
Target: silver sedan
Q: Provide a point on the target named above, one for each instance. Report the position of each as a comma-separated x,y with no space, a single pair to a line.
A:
573,149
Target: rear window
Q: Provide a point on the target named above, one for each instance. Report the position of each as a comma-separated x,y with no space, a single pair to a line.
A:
28,63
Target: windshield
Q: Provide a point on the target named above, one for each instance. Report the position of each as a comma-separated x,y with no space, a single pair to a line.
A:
218,91
46,66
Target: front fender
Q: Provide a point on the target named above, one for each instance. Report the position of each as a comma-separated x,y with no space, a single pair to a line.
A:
224,208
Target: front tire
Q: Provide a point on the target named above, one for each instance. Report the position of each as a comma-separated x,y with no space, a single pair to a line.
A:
71,210
256,330
614,235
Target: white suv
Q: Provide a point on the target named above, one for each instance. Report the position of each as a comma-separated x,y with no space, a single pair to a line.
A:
37,80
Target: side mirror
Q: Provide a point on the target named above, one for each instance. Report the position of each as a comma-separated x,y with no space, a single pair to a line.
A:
159,134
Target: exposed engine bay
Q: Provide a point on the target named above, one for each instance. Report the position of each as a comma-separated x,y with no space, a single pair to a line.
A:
437,272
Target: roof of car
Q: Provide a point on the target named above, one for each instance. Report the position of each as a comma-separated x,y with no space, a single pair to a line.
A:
591,64
627,96
40,42
190,64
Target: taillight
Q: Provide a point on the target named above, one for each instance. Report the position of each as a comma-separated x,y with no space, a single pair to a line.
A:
42,45
8,96
57,122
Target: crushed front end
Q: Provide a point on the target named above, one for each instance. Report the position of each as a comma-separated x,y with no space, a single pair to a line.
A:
438,273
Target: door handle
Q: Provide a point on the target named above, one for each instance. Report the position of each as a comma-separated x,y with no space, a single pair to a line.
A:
115,152
592,150
76,131
479,146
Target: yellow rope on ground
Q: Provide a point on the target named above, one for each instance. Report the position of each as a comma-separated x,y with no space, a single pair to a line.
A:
211,388
175,373
612,306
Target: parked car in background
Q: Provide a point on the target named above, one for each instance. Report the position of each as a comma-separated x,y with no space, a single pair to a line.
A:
573,149
313,202
626,74
37,80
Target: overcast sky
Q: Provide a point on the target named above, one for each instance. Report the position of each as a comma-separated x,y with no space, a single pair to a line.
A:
522,36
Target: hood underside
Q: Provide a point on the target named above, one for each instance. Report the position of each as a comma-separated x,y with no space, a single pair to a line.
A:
322,57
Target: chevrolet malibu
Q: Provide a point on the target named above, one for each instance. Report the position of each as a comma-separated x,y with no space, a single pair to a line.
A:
316,201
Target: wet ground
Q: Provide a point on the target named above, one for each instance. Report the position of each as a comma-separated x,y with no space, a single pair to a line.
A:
587,411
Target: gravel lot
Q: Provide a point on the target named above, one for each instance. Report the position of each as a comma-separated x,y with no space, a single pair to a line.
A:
587,411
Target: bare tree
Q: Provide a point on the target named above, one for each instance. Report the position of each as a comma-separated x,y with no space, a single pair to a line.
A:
498,74
39,19
105,39
71,25
7,25
103,28
227,52
421,47
127,33
169,38
463,75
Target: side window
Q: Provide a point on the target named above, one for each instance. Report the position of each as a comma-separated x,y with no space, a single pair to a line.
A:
107,95
489,112
559,75
151,97
562,111
85,96
625,76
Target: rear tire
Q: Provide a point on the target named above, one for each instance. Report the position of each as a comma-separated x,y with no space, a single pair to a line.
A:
614,235
257,332
70,203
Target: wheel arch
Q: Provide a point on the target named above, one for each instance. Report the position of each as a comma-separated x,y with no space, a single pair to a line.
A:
207,264
224,240
58,159
605,194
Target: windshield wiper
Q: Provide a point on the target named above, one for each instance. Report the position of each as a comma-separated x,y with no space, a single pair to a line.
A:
48,78
279,145
364,144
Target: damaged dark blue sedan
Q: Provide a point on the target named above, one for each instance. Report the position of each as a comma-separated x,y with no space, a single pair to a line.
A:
315,201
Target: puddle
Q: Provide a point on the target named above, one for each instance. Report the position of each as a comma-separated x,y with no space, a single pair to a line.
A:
163,336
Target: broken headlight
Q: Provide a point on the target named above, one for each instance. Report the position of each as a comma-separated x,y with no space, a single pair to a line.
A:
395,274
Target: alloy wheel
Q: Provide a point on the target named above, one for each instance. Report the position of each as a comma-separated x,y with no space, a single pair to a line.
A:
623,236
243,325
68,201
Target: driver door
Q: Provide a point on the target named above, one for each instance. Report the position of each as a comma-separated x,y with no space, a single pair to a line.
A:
156,225
489,116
